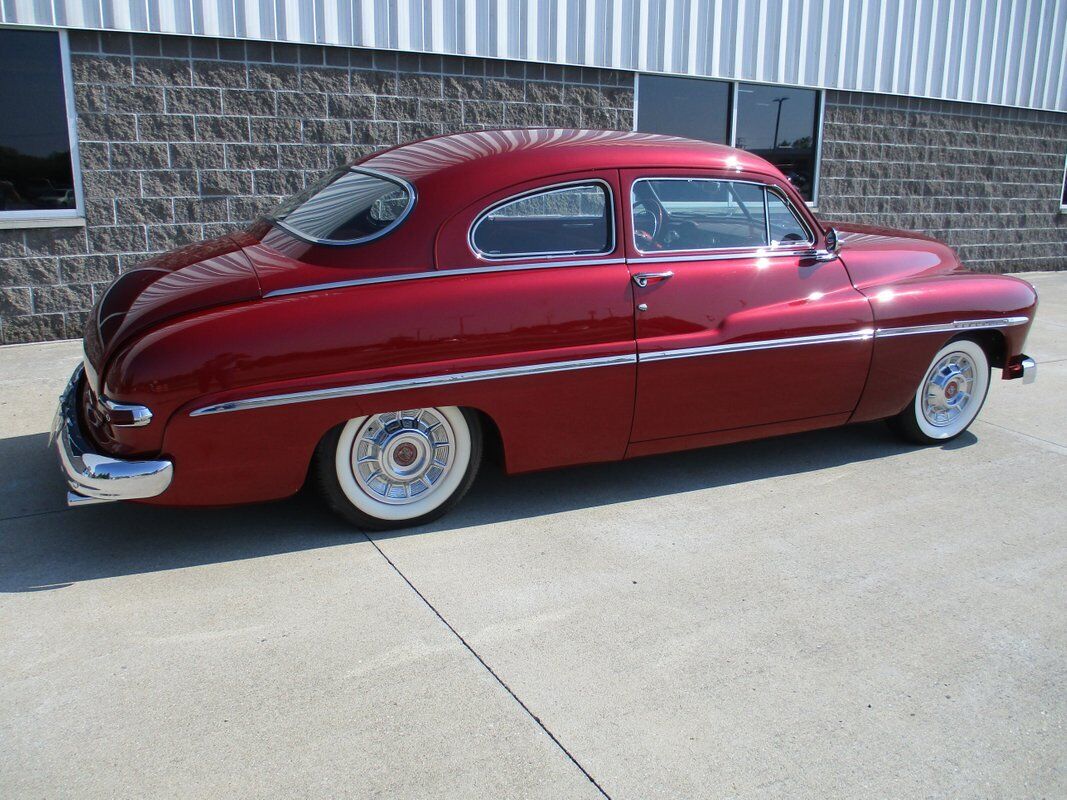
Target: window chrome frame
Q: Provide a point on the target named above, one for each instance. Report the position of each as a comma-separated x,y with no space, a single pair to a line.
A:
609,206
40,217
1063,188
385,176
741,251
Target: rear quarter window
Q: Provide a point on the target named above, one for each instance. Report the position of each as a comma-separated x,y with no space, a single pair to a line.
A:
575,219
347,207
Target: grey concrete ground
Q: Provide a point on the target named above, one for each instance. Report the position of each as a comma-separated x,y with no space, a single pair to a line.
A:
826,615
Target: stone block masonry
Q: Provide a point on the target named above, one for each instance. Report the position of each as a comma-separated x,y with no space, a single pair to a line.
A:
185,138
985,180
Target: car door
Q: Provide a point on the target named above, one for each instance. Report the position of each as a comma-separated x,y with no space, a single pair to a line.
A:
738,324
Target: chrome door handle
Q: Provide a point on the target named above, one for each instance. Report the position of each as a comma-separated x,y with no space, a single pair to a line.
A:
642,279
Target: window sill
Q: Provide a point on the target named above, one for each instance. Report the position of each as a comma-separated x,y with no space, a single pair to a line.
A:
42,222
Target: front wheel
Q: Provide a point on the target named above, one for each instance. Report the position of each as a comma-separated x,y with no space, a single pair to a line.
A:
949,397
400,468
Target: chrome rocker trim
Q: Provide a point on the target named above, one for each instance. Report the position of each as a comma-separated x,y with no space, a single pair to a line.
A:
356,390
414,383
96,478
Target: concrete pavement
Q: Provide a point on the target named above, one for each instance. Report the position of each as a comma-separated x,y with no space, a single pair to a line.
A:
833,614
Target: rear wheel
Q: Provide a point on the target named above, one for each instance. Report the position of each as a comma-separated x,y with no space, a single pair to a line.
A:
400,468
949,397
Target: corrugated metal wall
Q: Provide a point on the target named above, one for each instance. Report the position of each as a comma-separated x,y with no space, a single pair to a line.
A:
1009,52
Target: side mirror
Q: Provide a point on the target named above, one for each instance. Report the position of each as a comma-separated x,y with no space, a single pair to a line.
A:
833,243
833,246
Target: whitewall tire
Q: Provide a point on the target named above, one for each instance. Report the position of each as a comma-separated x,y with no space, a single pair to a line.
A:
399,468
950,395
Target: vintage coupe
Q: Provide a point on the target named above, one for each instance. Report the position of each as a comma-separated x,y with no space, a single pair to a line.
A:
578,296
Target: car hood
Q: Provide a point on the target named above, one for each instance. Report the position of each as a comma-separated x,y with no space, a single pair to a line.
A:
875,257
202,275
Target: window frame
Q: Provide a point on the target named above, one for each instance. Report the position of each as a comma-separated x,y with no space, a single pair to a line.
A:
731,115
609,209
403,215
1063,188
57,217
742,250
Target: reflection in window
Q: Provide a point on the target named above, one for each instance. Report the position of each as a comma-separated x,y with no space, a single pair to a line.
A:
563,221
346,207
780,125
36,173
693,107
673,214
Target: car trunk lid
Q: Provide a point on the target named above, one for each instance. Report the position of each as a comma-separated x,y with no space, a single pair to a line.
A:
203,275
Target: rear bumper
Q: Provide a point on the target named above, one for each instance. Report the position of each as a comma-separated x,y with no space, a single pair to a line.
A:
1021,366
96,478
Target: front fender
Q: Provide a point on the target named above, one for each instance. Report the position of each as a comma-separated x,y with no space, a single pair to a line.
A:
943,305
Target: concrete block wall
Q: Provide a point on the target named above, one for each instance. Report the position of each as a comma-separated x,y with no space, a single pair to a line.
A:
984,179
184,138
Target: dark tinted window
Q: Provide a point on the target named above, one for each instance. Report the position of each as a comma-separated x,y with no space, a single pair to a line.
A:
697,214
35,164
568,220
699,109
780,125
786,229
346,207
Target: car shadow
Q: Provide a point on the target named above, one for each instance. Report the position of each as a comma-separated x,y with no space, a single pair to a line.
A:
44,545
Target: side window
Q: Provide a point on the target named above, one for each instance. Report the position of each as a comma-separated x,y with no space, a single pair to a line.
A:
565,220
786,229
671,214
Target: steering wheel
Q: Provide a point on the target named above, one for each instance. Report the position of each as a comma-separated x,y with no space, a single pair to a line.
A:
654,208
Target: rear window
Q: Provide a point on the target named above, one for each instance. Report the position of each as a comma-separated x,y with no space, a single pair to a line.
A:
347,207
562,220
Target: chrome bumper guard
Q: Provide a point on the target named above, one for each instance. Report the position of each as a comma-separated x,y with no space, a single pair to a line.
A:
95,478
1029,370
1021,367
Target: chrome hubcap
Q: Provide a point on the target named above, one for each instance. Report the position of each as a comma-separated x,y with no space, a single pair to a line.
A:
949,388
399,456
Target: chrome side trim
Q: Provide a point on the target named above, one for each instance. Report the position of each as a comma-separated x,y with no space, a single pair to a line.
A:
356,390
762,344
95,478
952,327
141,415
414,383
442,273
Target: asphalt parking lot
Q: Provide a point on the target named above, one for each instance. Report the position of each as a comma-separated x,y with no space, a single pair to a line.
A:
833,614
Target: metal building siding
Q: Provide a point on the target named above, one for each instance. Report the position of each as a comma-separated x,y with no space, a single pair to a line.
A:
1009,52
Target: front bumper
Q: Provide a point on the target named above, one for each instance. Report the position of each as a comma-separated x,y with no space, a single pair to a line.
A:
96,478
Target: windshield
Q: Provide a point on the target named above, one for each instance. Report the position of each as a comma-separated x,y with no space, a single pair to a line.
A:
346,207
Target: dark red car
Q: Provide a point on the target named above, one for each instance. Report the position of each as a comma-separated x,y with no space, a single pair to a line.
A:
583,296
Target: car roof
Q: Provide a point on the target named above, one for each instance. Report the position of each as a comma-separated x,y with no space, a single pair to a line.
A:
528,153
